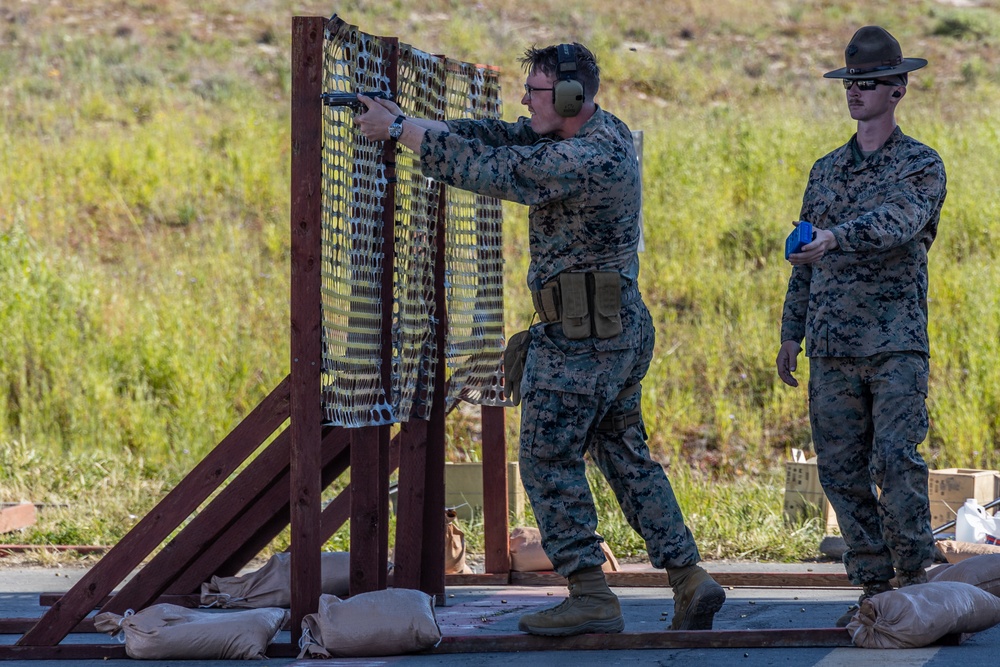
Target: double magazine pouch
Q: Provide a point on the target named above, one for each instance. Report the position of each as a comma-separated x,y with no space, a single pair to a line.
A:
591,304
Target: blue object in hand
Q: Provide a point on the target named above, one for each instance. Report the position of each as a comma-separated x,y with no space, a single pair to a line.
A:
800,236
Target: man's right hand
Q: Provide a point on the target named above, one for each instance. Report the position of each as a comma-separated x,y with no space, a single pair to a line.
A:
787,362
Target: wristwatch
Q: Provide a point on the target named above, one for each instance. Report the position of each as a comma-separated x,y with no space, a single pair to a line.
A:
396,128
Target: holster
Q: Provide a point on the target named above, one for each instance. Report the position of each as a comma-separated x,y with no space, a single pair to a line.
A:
513,364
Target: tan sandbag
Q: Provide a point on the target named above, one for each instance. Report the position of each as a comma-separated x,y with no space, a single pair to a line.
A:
389,622
956,552
271,585
454,546
981,571
919,615
611,564
170,632
527,555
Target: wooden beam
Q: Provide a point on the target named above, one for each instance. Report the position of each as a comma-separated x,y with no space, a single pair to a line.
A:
676,639
205,529
306,314
157,525
659,578
74,652
495,507
410,502
260,520
190,600
18,626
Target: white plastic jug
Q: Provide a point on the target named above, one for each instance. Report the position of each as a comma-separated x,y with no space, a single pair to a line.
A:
971,522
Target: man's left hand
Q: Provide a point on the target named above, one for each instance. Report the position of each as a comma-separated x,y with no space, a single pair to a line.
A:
816,249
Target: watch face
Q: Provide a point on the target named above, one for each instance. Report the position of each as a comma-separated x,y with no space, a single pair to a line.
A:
396,128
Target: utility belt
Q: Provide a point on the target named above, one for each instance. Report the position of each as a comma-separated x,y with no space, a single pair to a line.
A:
587,303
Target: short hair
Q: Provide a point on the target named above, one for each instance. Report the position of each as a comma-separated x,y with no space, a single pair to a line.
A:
546,60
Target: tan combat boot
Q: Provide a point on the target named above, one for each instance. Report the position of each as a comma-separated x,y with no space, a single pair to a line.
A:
867,590
590,607
697,598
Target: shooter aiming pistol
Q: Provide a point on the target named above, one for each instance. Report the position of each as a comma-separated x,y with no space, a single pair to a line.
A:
351,99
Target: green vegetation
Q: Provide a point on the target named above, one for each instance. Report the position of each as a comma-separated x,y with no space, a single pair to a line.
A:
144,180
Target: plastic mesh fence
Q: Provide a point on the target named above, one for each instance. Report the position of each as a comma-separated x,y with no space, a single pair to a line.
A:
474,243
355,191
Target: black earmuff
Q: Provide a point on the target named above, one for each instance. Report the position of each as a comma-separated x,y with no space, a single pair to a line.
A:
567,91
896,93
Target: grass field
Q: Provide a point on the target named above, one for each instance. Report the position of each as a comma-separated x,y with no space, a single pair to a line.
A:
144,194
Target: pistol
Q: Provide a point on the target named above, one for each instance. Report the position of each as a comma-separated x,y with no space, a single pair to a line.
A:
351,99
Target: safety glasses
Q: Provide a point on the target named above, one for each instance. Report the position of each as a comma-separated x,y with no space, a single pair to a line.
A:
528,90
866,84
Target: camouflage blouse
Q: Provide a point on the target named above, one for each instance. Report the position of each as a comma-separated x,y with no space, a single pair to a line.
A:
870,294
584,192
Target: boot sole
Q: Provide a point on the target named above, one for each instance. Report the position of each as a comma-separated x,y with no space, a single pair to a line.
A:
707,601
609,626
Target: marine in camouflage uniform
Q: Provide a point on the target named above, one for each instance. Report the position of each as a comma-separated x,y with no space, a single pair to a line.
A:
584,197
860,302
577,170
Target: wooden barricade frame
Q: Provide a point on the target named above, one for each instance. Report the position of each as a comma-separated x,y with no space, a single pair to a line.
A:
282,485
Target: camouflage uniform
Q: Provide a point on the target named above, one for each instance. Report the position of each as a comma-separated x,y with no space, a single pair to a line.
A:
862,309
584,198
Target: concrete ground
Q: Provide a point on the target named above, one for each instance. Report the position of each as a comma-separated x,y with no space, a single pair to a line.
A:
490,611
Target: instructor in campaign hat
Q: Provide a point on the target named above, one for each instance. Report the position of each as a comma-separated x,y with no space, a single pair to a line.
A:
857,294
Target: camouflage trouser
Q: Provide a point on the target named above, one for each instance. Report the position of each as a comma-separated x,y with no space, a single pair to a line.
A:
868,416
568,387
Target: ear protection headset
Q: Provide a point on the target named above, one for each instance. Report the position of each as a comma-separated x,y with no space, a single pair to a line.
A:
567,91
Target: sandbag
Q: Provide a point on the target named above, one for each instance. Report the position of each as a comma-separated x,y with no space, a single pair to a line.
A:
921,614
956,552
527,555
389,622
170,632
454,545
981,571
271,585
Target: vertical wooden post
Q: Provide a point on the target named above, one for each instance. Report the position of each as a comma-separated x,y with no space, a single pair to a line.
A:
306,315
370,445
495,505
432,570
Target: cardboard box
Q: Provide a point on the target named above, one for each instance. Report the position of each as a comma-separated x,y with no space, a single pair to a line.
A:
463,488
949,488
804,495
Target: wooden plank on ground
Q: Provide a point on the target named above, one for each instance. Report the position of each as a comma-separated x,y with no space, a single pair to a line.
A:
675,639
73,652
16,517
659,578
190,600
18,626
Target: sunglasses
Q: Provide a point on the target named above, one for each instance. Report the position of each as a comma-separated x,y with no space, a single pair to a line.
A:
866,84
528,90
